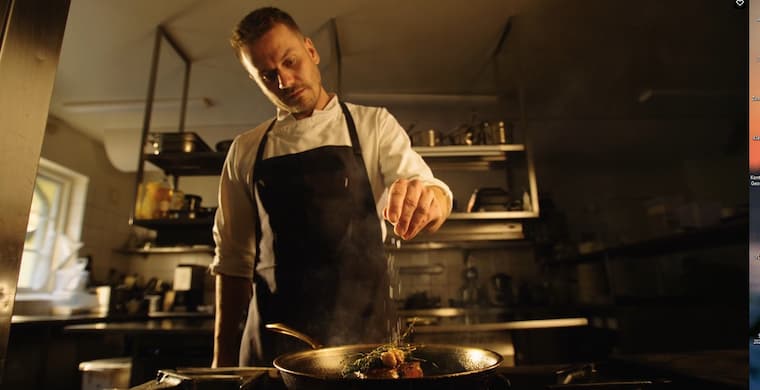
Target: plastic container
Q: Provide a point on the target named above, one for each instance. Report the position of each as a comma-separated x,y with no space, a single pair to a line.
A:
71,279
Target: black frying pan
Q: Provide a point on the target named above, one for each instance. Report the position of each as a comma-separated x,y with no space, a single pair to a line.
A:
445,367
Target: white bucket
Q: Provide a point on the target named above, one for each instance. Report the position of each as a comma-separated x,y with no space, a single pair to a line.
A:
106,373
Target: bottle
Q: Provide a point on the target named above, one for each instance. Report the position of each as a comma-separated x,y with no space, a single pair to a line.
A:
177,203
502,133
485,135
163,198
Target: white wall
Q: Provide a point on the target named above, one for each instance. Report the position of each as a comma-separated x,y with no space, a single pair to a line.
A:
109,195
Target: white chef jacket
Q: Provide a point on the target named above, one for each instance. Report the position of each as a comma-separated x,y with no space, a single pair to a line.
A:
387,153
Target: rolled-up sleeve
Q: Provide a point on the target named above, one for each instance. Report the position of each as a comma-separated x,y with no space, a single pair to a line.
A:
235,220
397,158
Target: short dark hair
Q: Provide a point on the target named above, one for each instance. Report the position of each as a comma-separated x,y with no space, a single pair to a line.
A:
258,23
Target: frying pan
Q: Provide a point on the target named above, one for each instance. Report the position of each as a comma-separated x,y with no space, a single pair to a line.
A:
445,367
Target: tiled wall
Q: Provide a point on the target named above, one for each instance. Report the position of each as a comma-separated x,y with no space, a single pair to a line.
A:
517,262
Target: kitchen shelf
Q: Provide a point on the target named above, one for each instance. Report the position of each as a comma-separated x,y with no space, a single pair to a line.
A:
468,150
729,232
435,245
492,215
505,326
472,158
167,250
180,232
162,223
188,164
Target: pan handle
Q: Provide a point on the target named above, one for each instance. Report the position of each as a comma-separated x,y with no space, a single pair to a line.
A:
498,381
287,330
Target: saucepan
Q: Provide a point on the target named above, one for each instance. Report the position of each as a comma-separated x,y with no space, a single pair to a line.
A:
444,366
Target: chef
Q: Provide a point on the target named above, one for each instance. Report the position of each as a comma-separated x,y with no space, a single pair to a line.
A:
302,202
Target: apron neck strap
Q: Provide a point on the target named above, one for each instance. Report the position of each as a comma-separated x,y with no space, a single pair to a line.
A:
260,150
351,129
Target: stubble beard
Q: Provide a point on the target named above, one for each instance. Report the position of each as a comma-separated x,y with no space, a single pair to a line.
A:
306,103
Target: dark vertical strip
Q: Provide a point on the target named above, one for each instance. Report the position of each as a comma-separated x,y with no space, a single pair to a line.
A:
186,83
338,56
31,44
497,50
183,107
5,12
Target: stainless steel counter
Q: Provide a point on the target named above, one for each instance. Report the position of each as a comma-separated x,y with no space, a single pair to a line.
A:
100,317
201,326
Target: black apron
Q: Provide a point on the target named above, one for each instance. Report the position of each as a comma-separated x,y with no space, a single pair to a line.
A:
331,278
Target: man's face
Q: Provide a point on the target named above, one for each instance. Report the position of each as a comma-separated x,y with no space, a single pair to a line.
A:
284,65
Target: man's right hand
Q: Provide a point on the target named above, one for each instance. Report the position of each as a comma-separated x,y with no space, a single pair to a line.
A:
414,206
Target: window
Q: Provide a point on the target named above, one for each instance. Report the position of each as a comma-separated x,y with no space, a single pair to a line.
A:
55,223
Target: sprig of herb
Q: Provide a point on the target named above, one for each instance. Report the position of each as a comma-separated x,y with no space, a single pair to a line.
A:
363,362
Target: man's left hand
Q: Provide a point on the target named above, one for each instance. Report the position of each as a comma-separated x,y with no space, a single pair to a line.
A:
413,206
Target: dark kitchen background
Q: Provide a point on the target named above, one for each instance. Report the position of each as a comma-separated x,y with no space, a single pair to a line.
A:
633,116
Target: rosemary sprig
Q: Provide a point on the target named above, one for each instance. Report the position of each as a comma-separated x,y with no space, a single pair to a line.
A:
363,362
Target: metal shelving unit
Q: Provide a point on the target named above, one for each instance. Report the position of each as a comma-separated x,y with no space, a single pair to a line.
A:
182,235
482,229
469,157
476,229
188,164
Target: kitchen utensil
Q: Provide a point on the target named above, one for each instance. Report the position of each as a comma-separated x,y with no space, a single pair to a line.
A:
287,330
488,199
462,135
429,137
445,367
185,142
223,378
495,134
192,205
470,291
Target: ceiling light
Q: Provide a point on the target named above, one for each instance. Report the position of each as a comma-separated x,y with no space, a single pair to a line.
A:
133,105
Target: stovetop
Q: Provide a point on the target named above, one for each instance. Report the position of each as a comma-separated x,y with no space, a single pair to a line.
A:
582,376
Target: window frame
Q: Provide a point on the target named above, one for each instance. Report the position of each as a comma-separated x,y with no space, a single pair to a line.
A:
70,217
